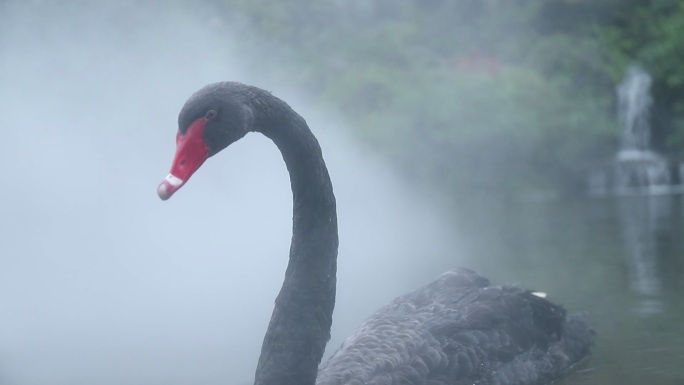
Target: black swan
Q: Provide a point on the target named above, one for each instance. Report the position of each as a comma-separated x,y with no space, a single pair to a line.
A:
455,330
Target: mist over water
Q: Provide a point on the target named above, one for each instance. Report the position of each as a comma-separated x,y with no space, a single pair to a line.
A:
100,281
103,283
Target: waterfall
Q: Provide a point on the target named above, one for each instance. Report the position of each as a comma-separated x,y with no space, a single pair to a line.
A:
636,168
634,111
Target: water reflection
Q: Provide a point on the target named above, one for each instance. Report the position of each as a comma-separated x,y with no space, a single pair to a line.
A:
618,258
645,222
641,219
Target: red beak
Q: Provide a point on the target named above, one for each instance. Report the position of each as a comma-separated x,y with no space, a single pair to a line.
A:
191,152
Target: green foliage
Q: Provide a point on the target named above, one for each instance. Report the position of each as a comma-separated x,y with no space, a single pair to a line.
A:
514,97
652,34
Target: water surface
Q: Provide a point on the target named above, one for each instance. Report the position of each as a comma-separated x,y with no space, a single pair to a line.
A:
618,258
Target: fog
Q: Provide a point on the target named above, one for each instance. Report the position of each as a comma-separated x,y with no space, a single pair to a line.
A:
100,281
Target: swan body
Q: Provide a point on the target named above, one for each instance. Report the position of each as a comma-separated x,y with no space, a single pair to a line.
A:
460,330
456,330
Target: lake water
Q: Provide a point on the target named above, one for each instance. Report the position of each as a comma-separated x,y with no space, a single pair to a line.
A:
621,259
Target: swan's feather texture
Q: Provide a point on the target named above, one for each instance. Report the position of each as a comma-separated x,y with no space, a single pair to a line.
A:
460,330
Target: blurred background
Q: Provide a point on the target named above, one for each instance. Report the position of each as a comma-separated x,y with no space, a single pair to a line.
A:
539,142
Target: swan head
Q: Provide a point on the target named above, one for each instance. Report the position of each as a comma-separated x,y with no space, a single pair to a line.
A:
212,119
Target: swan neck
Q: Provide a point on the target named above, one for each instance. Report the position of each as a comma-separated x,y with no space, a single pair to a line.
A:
302,316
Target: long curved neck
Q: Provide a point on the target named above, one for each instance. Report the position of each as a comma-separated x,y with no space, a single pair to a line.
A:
301,320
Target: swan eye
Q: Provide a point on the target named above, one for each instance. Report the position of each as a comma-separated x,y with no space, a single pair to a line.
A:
210,115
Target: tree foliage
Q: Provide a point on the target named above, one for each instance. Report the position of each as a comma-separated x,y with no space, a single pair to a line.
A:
509,96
